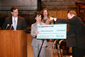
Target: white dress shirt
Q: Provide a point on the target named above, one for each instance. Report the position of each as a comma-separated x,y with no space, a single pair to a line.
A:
16,18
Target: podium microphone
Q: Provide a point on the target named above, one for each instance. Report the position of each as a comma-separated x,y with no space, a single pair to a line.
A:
11,26
7,26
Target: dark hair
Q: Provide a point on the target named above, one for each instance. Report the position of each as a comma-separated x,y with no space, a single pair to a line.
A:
13,8
38,13
43,11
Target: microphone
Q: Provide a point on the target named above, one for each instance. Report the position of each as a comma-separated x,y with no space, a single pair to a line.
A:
52,16
11,26
7,26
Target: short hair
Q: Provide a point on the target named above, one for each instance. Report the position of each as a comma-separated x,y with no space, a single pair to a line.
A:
13,8
72,12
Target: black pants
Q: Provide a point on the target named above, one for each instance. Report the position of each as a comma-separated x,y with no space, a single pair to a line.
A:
78,52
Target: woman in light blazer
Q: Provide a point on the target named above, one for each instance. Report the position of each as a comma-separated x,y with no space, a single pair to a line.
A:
36,43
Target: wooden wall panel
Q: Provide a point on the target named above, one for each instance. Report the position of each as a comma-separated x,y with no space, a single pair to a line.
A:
53,13
50,13
64,14
59,13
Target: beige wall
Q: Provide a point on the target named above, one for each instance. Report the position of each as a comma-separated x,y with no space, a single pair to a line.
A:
21,4
60,4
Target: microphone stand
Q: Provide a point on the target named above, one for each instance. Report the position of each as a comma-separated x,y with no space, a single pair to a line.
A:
40,48
11,27
7,26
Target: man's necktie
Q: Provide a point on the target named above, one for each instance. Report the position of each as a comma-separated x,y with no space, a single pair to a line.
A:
14,24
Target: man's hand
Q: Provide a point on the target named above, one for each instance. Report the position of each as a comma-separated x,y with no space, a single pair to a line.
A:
51,18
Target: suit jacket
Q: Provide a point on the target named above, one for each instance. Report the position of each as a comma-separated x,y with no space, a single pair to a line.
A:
76,37
21,25
36,42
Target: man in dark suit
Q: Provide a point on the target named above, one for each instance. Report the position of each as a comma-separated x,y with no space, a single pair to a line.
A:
76,38
15,22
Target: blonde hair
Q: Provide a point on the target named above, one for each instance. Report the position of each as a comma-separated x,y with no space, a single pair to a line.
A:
72,12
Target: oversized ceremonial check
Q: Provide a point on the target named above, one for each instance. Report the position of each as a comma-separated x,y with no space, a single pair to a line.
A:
56,31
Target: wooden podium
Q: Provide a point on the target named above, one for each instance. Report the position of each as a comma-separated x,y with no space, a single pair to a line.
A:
13,43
